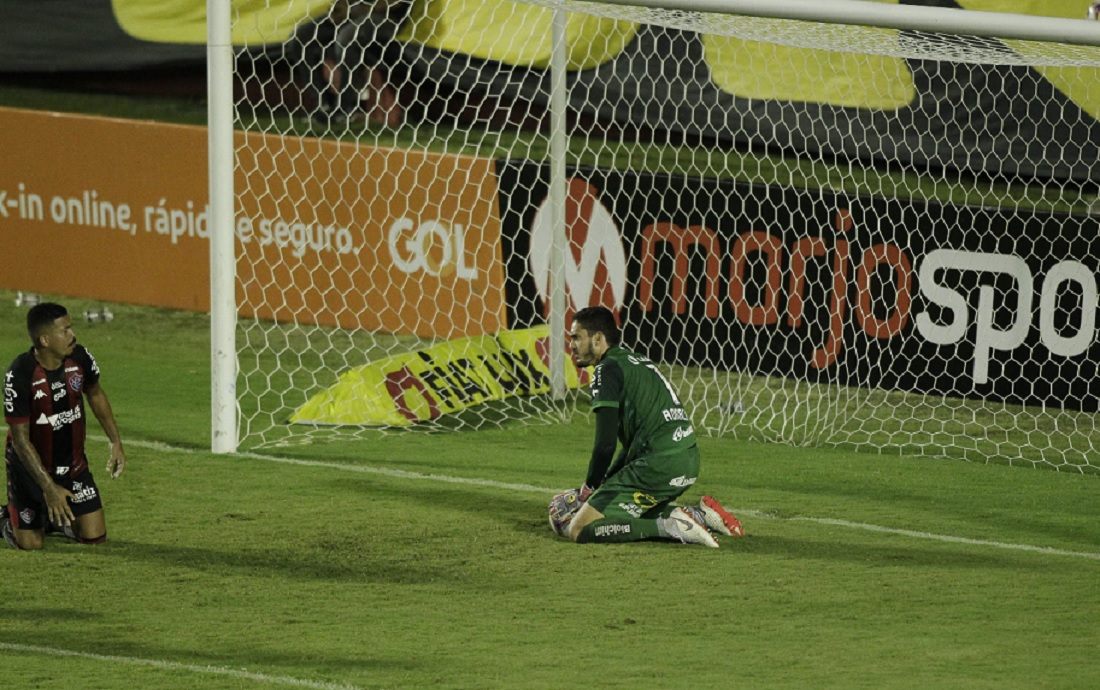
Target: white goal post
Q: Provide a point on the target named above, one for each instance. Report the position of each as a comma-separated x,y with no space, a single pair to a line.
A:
811,212
223,270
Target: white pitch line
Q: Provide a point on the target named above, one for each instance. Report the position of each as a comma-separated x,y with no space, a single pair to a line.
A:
174,666
403,474
529,488
931,535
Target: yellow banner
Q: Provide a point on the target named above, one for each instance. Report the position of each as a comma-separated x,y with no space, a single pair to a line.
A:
519,34
446,378
1079,84
255,22
503,30
515,33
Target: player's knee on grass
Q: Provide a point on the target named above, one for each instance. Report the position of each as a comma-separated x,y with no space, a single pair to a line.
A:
585,515
28,539
90,528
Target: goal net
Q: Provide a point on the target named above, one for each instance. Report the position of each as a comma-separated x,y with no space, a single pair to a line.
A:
825,233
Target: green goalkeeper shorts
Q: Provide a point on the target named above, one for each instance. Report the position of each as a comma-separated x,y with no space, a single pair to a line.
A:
646,486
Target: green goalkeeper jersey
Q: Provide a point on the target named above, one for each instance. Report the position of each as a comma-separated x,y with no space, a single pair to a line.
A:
652,421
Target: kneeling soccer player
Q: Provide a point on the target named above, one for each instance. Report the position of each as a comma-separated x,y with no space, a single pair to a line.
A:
631,500
48,479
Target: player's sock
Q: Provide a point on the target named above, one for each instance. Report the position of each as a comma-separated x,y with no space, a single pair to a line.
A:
609,531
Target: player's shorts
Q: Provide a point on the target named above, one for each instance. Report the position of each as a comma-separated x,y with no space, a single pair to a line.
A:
646,486
27,504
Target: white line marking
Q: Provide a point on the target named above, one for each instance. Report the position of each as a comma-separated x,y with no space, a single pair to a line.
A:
930,535
528,488
403,474
174,666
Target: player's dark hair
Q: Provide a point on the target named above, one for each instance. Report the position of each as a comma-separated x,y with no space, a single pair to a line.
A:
41,316
599,320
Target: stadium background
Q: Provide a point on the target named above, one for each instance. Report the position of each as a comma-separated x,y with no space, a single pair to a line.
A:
423,560
1024,124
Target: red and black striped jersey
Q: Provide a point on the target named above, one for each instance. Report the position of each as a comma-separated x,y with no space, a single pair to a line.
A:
52,403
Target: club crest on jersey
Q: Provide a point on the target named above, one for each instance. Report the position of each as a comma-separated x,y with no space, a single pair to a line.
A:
76,382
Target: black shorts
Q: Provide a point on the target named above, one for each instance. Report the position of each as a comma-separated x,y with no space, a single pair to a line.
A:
27,505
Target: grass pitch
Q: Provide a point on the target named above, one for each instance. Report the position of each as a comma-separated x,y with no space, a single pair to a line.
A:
423,560
413,560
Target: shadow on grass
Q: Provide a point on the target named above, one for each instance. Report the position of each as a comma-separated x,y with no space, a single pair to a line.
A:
39,614
327,559
231,654
526,514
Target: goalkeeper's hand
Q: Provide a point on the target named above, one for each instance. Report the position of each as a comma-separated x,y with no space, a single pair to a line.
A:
563,508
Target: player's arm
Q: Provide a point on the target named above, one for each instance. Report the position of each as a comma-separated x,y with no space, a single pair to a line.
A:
101,408
603,450
620,461
606,399
56,496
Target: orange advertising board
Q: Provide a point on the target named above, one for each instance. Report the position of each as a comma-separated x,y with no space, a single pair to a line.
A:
327,232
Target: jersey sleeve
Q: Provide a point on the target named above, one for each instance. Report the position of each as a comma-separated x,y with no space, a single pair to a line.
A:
17,394
607,385
603,450
88,364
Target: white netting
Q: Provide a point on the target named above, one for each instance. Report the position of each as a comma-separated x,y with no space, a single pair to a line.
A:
827,234
847,38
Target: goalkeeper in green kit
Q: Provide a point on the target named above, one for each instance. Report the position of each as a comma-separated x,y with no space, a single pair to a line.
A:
629,497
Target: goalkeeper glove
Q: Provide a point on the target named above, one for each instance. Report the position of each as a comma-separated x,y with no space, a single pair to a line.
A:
563,508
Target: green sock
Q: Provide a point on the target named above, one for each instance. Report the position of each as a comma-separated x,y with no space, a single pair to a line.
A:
609,531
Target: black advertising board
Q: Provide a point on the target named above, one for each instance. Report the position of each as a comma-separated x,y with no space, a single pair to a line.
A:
871,292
